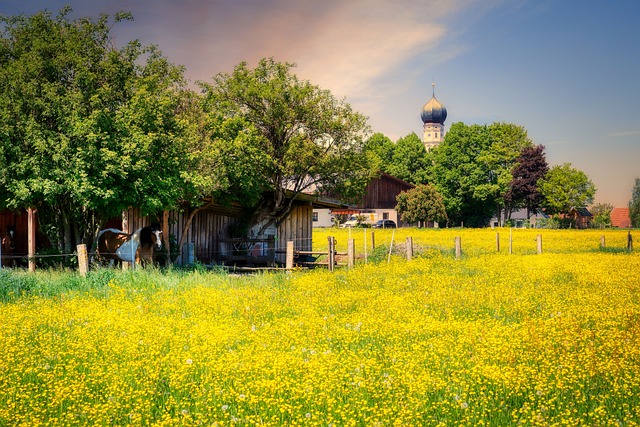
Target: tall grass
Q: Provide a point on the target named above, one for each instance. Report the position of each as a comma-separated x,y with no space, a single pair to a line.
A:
488,339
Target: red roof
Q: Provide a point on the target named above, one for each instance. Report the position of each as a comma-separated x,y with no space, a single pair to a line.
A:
620,218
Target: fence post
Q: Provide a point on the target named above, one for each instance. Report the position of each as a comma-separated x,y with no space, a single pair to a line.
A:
629,242
409,245
603,243
373,240
539,243
351,253
331,252
497,242
83,260
31,240
510,241
458,247
289,259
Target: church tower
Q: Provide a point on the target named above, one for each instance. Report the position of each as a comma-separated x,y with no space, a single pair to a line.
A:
433,116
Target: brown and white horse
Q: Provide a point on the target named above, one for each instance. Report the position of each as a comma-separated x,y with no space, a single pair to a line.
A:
115,245
8,247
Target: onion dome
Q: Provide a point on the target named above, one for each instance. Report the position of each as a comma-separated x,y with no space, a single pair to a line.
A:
433,111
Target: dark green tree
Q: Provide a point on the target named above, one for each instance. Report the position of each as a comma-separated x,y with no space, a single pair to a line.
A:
565,187
311,141
634,205
422,203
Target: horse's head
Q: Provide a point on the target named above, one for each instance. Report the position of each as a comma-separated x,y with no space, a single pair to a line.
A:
156,230
11,237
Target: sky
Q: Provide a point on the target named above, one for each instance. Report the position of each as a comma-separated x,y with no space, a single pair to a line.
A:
568,71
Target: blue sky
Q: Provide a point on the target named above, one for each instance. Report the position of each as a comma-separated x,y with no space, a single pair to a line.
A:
566,70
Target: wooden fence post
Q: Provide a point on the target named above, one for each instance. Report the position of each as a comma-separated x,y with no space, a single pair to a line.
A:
125,228
31,239
332,252
629,242
497,242
373,240
510,241
409,245
351,253
289,258
603,243
458,247
539,243
83,260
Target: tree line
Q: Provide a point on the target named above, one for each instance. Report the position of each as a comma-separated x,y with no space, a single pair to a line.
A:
89,128
479,172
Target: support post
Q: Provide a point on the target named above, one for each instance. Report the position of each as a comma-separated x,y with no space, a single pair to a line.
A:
271,250
289,259
510,241
351,253
539,243
603,243
373,240
497,242
629,242
458,247
83,260
409,246
332,253
31,240
125,229
165,236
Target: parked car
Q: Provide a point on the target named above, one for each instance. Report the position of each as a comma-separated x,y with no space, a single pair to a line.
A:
384,223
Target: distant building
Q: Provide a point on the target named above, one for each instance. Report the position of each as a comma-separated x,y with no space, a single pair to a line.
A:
433,115
620,218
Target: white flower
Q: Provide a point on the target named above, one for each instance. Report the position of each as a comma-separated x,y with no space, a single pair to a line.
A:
225,407
189,361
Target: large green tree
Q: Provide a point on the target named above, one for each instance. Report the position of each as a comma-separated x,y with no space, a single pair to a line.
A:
86,129
472,167
634,205
311,141
565,187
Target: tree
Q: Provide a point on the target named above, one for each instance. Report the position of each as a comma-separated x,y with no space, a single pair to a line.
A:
409,160
381,148
87,129
310,140
601,215
634,205
564,188
472,167
422,203
531,166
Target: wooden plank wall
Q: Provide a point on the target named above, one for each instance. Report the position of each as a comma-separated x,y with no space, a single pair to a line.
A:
297,228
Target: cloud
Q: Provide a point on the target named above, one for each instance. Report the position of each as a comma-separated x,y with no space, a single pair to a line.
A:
343,46
623,134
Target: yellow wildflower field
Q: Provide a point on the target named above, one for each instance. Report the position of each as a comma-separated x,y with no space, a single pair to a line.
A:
488,339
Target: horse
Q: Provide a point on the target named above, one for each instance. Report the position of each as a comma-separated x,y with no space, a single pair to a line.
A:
116,246
8,246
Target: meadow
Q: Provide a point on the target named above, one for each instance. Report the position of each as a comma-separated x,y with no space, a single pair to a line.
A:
491,339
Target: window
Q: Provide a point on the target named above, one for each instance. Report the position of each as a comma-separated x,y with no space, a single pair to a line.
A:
385,215
315,217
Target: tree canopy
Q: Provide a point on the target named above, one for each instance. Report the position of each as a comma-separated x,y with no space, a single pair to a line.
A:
87,129
531,166
565,187
472,167
422,203
309,140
